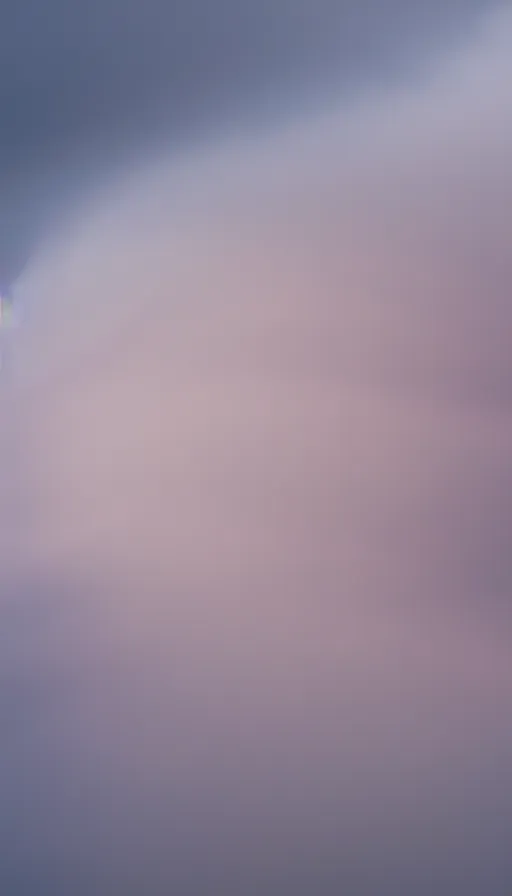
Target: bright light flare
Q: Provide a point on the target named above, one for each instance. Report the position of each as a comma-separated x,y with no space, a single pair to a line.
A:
5,312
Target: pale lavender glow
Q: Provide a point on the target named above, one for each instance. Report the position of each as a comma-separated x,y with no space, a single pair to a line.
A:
267,478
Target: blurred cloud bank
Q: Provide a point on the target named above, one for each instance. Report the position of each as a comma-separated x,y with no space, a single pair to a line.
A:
260,437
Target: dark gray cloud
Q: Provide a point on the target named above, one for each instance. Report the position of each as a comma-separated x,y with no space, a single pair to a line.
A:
82,81
73,69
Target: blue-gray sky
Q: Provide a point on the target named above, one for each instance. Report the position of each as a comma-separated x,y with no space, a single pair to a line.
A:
86,82
255,581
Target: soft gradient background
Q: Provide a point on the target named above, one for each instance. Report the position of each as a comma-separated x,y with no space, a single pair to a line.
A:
255,582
